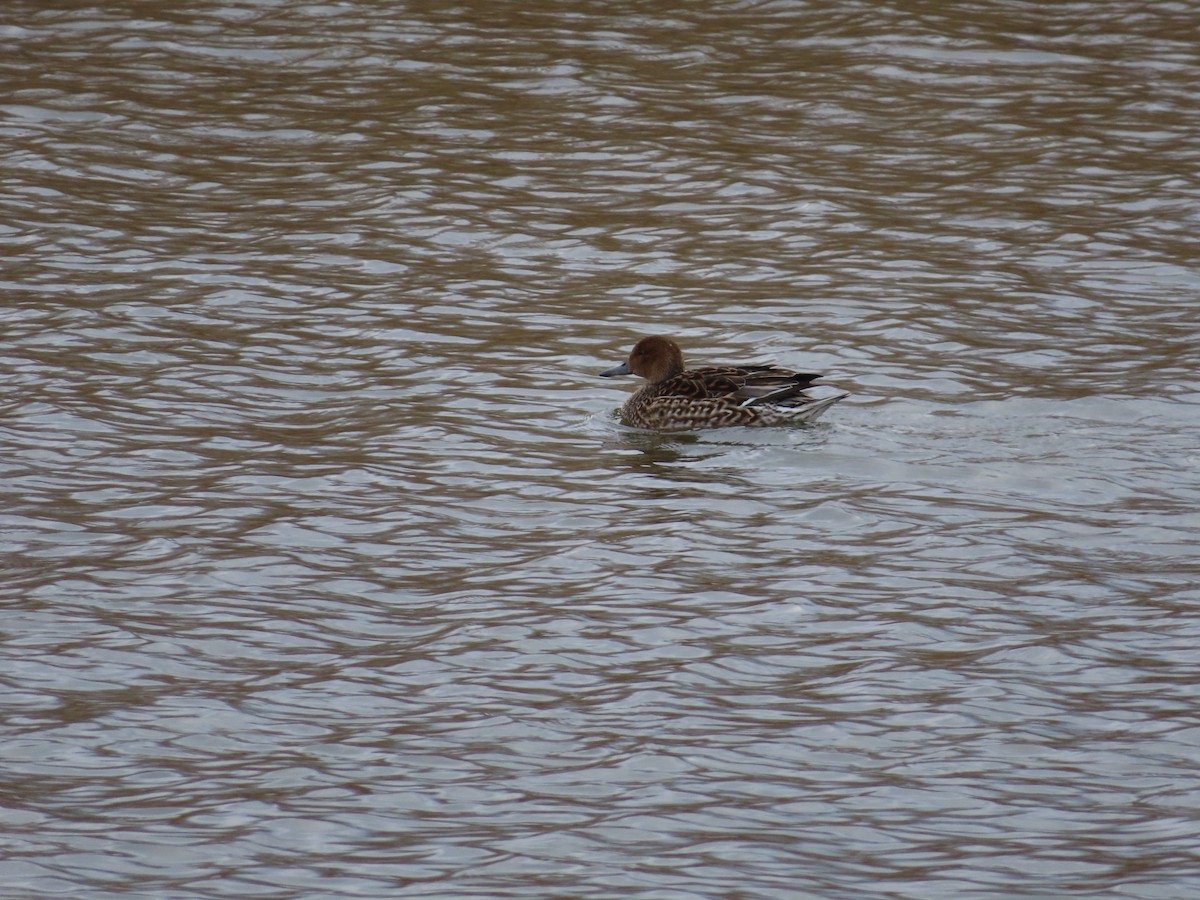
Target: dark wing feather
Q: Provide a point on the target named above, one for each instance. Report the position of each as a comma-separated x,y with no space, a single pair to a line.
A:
777,387
743,385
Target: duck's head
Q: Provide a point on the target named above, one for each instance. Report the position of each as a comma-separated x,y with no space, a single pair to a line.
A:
654,358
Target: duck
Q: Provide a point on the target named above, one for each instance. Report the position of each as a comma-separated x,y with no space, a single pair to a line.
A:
675,398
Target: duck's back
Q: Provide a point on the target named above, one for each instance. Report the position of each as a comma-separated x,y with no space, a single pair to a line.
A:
741,384
721,396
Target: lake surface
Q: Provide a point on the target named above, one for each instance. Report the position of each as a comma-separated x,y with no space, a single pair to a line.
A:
328,569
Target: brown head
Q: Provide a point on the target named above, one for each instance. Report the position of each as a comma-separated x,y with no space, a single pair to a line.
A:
654,358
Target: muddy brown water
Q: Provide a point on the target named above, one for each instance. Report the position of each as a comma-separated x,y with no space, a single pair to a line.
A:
327,570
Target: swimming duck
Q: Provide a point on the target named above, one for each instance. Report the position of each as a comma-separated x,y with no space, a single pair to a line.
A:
679,399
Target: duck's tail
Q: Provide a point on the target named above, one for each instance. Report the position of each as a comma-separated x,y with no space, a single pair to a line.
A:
809,410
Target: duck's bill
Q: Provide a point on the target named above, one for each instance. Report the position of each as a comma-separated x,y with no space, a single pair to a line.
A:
622,369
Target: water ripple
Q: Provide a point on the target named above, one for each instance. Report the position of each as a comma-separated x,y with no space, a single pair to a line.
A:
329,570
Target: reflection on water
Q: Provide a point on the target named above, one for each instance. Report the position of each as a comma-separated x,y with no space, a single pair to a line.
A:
328,570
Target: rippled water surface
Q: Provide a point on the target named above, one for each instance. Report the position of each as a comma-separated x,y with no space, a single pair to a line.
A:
329,571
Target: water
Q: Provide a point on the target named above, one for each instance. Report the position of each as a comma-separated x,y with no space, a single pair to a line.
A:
328,570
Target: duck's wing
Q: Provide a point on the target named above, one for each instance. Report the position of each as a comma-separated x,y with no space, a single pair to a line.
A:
701,384
769,384
740,385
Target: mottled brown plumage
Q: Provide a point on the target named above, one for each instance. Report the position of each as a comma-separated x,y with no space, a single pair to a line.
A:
678,399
